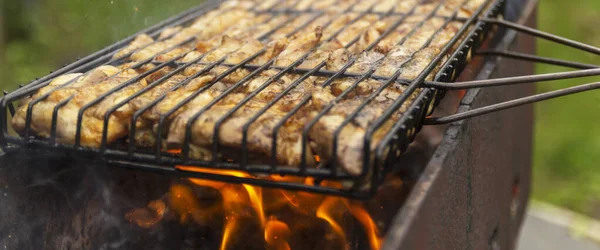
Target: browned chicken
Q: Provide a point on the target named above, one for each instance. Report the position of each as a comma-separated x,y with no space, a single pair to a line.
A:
235,32
300,45
82,92
260,137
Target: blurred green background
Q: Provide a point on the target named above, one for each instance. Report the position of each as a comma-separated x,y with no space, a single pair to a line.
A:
38,36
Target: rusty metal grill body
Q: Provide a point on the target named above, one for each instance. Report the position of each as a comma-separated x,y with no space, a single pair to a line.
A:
158,160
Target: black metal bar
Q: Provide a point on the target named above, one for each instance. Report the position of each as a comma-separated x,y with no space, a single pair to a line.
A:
252,181
511,104
514,80
535,58
542,34
11,108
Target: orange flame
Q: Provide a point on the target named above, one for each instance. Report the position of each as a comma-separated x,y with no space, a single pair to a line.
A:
365,219
326,211
277,234
237,200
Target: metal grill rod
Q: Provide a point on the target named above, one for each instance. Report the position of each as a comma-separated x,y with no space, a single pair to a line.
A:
534,58
544,35
511,104
514,80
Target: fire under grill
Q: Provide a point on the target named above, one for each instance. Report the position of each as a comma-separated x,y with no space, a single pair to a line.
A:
317,92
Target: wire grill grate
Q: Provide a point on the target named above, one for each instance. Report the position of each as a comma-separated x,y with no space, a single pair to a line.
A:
393,131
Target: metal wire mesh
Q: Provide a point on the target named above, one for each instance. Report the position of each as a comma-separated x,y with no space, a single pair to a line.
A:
175,57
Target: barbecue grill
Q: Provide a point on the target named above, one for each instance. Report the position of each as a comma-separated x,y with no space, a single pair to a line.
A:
469,37
450,197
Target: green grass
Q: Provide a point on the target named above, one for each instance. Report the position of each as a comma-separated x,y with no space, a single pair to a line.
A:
567,130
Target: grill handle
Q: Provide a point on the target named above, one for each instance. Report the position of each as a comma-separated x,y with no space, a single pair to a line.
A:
585,70
511,104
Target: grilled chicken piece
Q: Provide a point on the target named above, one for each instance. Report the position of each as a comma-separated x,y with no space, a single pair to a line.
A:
304,4
321,55
249,49
300,45
227,46
385,5
146,126
139,42
235,50
356,28
261,29
351,139
173,98
363,5
251,26
420,60
337,24
338,59
260,137
362,89
272,51
399,56
292,25
267,4
400,33
334,5
82,92
168,32
421,36
41,118
350,155
446,35
366,61
366,39
204,28
406,5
